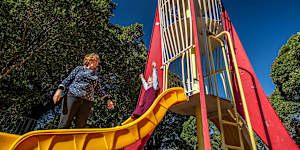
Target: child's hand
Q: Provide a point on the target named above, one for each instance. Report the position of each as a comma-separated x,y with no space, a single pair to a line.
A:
110,104
154,64
141,76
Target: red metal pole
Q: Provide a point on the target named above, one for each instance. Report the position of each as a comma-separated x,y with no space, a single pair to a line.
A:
201,83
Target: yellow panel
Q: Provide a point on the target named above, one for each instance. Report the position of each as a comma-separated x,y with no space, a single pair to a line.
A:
6,140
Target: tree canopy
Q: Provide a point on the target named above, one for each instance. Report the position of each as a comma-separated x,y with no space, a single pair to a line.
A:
41,42
285,70
285,73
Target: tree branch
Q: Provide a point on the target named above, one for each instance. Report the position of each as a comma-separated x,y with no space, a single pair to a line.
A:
25,60
13,57
68,44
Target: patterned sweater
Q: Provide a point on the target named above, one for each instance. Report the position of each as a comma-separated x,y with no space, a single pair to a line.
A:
83,83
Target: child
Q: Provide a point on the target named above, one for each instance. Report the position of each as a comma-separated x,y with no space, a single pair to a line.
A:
152,91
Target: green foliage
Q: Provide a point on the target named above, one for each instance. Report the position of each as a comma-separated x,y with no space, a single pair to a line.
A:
189,134
167,134
285,73
289,114
215,136
120,67
41,42
285,70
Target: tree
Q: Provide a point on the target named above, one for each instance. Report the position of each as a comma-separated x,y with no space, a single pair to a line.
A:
285,70
288,112
41,42
120,70
189,134
285,73
167,134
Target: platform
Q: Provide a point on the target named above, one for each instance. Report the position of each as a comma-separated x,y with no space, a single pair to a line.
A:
231,132
188,108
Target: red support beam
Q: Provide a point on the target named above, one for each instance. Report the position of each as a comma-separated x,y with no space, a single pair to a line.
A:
264,119
201,83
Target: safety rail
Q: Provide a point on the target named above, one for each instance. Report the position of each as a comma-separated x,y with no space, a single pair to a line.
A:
177,44
182,72
179,59
212,14
238,78
218,65
16,124
177,38
176,28
218,62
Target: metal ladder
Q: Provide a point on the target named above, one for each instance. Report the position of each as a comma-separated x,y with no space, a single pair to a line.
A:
236,120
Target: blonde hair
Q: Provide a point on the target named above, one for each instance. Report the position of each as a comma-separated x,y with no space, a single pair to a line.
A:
91,56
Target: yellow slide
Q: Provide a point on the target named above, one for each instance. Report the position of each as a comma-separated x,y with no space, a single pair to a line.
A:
103,138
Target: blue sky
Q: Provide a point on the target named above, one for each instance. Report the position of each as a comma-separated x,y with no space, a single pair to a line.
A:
262,25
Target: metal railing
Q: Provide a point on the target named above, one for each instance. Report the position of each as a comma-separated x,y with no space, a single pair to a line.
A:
182,72
176,27
16,124
179,60
212,15
218,67
239,82
177,38
177,44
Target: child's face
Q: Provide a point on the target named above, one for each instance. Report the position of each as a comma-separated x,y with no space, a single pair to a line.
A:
150,81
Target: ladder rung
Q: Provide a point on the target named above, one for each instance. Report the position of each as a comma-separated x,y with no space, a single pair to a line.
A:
232,147
230,123
235,119
231,115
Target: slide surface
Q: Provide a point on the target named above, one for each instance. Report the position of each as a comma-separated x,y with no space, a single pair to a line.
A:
103,138
154,55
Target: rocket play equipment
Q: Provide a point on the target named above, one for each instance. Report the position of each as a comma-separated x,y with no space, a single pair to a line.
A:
205,73
202,53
